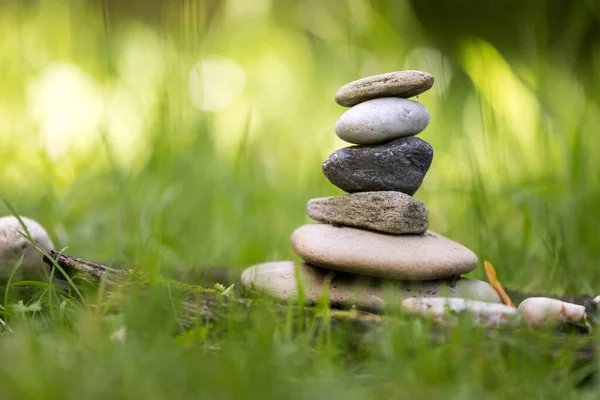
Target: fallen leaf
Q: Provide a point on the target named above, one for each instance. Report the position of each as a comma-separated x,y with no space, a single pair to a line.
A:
491,275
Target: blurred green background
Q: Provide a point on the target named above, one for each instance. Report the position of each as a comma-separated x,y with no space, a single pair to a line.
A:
186,134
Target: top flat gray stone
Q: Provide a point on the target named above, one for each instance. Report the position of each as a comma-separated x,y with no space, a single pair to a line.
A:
403,84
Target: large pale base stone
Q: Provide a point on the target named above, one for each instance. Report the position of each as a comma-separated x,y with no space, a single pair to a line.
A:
280,280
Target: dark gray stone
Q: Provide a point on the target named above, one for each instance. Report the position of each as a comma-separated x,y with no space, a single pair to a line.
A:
388,212
399,165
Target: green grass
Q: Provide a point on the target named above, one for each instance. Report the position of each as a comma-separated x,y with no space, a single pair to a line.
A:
158,185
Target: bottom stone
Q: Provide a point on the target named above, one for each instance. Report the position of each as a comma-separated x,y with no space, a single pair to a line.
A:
278,279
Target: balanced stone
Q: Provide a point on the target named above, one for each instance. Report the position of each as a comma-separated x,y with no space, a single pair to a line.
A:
399,165
13,246
381,120
279,280
388,212
407,257
393,84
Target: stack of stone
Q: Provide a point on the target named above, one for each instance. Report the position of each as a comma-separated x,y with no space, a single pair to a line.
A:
374,248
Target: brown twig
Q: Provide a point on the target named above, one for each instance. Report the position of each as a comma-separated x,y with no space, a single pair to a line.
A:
199,302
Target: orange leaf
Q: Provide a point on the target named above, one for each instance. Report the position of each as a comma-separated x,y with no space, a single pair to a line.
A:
491,275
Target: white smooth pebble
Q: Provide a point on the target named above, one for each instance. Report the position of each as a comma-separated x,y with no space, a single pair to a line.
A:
538,311
13,245
381,120
486,314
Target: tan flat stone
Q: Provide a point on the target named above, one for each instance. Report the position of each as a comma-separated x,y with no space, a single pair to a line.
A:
403,84
408,257
279,280
388,212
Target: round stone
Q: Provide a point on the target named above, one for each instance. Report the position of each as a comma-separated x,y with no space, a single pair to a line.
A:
399,165
407,257
538,311
393,84
387,212
445,310
381,120
279,280
13,245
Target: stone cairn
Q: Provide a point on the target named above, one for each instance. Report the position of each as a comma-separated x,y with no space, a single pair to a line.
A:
373,248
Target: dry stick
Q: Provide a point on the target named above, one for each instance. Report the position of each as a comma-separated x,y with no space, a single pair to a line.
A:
207,304
88,270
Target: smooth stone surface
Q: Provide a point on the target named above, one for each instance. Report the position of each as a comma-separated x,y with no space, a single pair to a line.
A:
407,257
399,165
393,84
388,212
278,279
381,120
444,310
538,311
13,245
